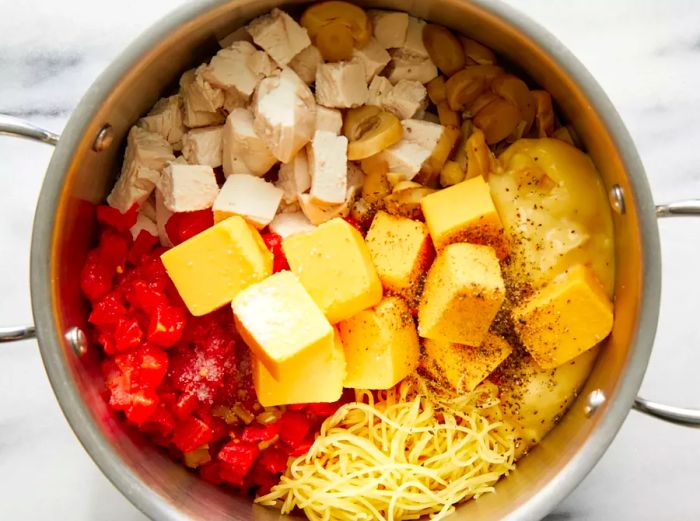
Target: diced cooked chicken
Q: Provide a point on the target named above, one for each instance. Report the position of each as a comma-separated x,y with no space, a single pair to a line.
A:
289,207
147,153
328,166
408,155
285,114
414,37
406,99
422,133
286,224
202,146
234,100
389,27
165,118
327,119
378,89
239,67
244,152
239,35
251,197
148,207
162,216
356,177
406,65
319,214
201,100
143,223
373,57
294,177
306,63
187,188
341,85
280,35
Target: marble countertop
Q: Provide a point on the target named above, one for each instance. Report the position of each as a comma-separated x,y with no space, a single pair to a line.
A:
645,54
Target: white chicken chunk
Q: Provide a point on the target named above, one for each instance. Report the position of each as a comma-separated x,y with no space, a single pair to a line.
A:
306,63
327,119
406,99
239,35
251,197
408,155
201,100
389,27
162,216
147,153
341,85
143,223
294,178
414,37
188,188
373,58
244,152
285,114
239,67
406,65
328,165
280,35
202,146
165,118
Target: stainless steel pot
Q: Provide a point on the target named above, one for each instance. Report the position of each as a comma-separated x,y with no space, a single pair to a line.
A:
85,162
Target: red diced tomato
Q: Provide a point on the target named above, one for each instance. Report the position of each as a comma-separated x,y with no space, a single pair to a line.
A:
274,244
190,434
114,248
113,218
256,432
323,409
160,423
153,366
96,276
260,479
107,311
238,457
186,404
355,224
127,334
142,296
166,325
183,225
293,428
274,460
302,448
118,383
143,244
211,472
143,405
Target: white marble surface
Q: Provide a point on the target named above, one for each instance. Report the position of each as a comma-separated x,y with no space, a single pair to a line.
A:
645,54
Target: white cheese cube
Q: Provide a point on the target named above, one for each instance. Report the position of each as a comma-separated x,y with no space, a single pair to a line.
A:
414,37
239,67
406,65
239,35
408,155
378,89
187,188
280,35
286,224
319,214
162,216
251,197
406,99
285,114
306,63
165,118
147,153
330,120
328,165
244,152
389,27
294,177
201,100
373,58
341,85
202,146
143,223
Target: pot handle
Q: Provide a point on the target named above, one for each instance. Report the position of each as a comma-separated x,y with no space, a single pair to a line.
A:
11,126
669,413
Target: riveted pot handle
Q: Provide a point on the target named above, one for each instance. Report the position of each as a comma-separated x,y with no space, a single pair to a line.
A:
679,415
11,126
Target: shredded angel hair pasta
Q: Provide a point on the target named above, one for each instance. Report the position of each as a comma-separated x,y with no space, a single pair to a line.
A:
403,455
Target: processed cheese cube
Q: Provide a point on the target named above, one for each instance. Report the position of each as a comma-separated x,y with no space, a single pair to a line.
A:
401,251
463,292
464,213
464,367
381,345
210,268
319,380
565,318
282,325
334,265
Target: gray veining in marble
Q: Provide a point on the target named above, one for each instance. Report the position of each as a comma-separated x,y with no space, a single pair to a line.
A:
645,54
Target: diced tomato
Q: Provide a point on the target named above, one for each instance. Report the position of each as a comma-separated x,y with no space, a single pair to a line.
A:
166,325
190,434
186,404
302,447
143,405
274,244
211,472
324,409
127,334
160,423
293,428
355,224
260,479
238,457
143,244
107,311
184,225
257,432
142,296
153,366
108,216
96,276
274,460
114,248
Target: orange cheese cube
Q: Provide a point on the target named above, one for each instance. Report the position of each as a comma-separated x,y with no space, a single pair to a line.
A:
464,213
210,268
282,325
464,367
568,316
334,265
319,380
401,251
381,345
463,292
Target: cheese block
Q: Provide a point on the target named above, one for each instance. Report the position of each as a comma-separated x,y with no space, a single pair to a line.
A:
565,318
282,325
210,268
464,367
464,213
334,265
318,380
463,292
381,345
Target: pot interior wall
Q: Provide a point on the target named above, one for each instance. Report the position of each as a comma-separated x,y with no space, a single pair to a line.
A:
138,80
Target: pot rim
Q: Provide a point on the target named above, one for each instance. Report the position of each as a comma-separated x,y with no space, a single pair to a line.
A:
51,341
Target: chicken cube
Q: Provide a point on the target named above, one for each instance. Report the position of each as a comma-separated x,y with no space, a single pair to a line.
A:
251,197
165,118
373,58
414,37
407,99
294,178
201,100
306,63
280,35
389,27
408,155
379,87
202,146
188,188
406,65
341,85
239,67
244,151
330,120
327,154
143,223
162,216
